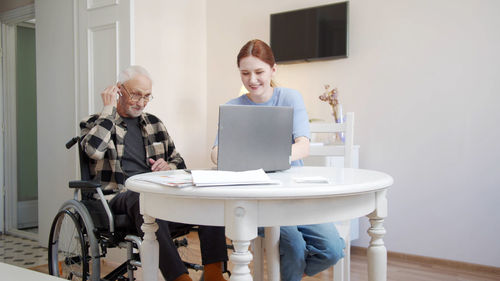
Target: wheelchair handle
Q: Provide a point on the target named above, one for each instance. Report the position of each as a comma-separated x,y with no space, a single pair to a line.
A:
72,142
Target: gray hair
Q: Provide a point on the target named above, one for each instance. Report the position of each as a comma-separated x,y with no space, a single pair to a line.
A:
131,72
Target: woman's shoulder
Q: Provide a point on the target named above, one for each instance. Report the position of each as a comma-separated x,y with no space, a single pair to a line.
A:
287,94
241,100
287,91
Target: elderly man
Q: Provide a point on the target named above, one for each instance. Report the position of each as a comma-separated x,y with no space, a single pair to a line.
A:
123,141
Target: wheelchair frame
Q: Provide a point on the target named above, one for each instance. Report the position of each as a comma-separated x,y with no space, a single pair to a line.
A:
91,237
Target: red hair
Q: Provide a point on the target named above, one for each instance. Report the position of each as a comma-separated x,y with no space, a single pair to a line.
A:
258,49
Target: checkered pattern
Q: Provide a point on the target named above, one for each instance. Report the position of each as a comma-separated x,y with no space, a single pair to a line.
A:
21,252
103,141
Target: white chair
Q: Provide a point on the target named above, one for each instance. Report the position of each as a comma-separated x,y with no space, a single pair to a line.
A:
270,245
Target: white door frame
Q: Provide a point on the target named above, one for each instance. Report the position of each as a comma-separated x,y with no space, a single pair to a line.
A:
9,20
2,180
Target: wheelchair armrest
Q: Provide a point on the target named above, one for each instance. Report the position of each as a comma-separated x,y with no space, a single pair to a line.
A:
90,185
84,184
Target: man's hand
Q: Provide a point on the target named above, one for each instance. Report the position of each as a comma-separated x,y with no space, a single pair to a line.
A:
109,95
158,165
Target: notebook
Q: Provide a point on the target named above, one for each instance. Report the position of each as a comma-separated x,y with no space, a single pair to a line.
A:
254,137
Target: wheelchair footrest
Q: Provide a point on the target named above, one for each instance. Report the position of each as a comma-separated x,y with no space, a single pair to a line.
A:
193,266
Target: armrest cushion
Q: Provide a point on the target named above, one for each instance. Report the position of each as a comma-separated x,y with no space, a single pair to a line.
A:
84,184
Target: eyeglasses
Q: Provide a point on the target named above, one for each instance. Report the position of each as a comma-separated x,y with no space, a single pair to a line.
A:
137,97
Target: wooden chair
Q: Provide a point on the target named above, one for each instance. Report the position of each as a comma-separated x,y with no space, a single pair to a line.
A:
270,244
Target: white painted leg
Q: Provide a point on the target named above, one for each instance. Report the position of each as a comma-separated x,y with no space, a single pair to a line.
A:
149,249
258,259
377,253
338,270
240,258
240,218
342,269
347,259
271,244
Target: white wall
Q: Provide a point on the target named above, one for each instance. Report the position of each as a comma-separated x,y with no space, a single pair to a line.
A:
422,77
55,109
423,80
171,44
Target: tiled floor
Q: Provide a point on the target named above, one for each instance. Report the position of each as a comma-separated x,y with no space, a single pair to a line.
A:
21,252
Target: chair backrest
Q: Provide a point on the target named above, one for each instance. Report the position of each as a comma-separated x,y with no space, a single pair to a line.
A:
83,158
344,150
84,162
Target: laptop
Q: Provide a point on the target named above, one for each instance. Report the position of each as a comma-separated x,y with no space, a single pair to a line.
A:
254,137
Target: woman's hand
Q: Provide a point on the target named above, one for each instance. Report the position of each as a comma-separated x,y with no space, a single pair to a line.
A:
300,149
213,154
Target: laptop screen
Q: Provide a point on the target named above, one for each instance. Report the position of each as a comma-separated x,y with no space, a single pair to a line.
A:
253,137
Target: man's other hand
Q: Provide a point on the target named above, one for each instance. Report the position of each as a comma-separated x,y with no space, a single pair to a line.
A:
109,95
158,165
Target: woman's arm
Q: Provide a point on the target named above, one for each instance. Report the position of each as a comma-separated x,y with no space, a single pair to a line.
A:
300,149
213,154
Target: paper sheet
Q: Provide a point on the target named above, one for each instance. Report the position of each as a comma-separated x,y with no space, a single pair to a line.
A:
176,179
213,177
310,180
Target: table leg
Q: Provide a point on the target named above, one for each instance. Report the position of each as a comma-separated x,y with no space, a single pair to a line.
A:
272,252
241,226
149,249
240,258
377,253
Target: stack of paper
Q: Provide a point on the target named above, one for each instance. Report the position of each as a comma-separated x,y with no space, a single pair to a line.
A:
310,180
213,178
176,179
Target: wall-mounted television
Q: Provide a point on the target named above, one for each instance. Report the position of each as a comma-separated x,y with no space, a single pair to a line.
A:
316,33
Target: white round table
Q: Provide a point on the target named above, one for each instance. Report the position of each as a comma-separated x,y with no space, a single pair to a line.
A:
350,193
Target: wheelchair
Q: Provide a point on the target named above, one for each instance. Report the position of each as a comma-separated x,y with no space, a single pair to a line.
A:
83,230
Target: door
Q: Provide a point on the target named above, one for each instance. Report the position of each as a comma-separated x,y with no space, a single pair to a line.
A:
27,179
81,45
18,136
105,44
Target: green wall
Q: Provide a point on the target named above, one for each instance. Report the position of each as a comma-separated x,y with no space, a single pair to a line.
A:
27,176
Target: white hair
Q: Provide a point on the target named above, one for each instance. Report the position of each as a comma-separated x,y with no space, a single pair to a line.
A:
132,71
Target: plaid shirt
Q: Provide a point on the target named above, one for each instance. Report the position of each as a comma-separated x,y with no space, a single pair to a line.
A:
103,141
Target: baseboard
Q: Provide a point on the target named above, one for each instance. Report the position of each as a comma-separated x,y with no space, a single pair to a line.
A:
355,250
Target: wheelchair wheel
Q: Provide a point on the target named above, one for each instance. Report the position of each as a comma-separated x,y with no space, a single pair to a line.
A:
71,246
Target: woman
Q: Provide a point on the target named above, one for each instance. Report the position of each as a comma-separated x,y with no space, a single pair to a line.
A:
304,249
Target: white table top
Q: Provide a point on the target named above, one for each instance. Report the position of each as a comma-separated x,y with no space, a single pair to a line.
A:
342,182
11,272
350,193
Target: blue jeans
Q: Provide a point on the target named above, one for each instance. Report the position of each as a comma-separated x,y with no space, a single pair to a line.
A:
308,249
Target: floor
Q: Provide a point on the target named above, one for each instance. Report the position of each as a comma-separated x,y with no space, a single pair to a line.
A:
21,252
26,253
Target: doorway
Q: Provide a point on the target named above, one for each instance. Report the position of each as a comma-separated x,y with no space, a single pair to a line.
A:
19,163
26,129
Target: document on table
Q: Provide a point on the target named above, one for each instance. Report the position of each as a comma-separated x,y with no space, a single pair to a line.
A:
311,180
175,180
214,178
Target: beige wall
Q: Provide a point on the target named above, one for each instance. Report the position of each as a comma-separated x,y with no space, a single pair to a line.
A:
422,78
56,104
171,44
7,5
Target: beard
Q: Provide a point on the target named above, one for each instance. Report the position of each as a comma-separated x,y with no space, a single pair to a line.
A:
134,111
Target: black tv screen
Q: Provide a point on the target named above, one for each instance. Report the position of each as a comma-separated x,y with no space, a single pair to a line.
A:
310,34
